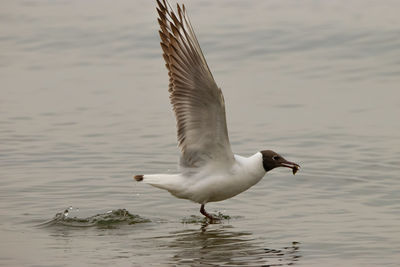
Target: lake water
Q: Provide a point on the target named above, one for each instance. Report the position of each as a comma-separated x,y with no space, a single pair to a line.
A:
84,106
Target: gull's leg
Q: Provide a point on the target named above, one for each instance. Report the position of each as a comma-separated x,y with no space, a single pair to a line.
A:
204,212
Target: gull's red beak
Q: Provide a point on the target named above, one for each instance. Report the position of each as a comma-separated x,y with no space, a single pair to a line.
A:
294,166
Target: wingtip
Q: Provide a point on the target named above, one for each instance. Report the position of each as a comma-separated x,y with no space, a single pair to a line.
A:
138,178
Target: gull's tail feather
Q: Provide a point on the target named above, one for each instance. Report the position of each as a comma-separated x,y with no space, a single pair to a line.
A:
138,177
170,182
164,181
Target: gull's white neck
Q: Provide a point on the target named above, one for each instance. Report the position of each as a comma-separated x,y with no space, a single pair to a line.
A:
251,169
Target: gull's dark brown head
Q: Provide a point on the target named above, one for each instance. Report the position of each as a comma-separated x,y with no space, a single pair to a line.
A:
272,160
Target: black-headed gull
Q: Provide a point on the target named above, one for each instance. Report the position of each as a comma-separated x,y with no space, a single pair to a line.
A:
209,170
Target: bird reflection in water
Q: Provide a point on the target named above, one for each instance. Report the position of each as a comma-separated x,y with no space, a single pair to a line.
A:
222,246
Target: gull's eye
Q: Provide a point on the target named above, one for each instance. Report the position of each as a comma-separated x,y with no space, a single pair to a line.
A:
276,157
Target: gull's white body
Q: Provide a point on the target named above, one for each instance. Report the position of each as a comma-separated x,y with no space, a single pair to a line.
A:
212,182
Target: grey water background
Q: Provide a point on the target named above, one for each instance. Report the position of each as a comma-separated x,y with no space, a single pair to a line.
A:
84,106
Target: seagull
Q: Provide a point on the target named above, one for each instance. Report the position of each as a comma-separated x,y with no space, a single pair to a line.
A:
209,171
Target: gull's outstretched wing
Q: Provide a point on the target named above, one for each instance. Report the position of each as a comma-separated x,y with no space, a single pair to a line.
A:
197,101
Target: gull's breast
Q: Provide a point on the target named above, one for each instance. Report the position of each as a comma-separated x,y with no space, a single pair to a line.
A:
223,184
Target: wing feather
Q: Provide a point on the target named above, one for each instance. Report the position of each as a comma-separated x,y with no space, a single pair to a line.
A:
197,101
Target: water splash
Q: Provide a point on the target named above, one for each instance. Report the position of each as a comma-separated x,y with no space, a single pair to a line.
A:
109,219
196,219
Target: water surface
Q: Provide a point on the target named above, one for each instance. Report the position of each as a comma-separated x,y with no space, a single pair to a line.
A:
84,105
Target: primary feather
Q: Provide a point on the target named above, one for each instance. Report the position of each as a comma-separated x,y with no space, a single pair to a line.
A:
197,101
